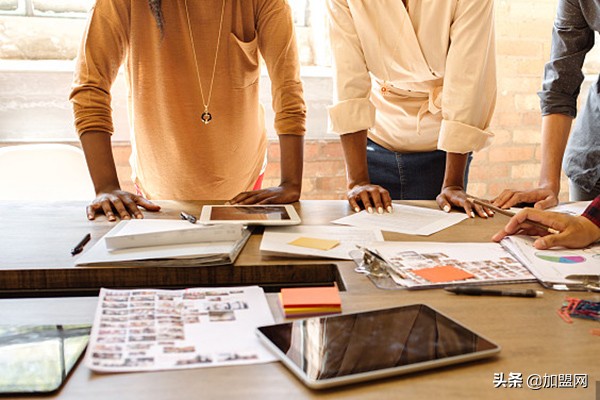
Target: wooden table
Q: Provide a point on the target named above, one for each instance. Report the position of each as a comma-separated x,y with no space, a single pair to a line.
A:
34,248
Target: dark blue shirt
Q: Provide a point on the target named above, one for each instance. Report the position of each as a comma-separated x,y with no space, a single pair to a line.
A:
572,39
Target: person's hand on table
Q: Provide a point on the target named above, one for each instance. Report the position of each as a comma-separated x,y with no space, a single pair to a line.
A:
282,194
372,198
119,203
542,198
456,196
575,231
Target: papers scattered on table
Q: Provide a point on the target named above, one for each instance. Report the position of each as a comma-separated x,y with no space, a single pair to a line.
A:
430,264
310,301
149,330
282,241
179,254
557,268
405,219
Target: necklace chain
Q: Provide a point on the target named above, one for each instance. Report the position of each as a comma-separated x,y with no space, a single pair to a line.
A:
206,116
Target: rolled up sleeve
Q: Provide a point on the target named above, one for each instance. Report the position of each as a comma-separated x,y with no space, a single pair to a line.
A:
277,43
572,39
469,93
352,110
100,56
471,137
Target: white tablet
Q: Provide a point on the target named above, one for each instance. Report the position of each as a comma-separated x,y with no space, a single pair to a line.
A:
336,350
250,214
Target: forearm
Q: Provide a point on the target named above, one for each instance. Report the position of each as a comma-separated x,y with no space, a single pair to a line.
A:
555,133
454,174
101,164
354,146
292,158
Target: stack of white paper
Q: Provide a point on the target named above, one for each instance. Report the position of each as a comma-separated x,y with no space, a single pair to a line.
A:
180,254
160,232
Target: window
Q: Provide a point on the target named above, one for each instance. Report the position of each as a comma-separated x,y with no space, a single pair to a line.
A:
36,63
49,8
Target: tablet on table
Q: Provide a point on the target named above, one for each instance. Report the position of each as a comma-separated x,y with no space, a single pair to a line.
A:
335,350
250,214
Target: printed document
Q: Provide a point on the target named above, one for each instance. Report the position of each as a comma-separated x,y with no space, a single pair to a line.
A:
150,330
556,266
405,219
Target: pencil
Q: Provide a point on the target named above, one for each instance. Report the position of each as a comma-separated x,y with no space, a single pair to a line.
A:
510,214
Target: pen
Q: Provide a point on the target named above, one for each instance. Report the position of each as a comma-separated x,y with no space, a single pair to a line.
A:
511,214
79,248
477,291
188,217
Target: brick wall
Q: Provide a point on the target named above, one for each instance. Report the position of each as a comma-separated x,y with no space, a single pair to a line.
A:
523,30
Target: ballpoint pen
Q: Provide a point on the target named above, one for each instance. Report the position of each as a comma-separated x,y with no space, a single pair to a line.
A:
79,247
187,217
478,291
510,214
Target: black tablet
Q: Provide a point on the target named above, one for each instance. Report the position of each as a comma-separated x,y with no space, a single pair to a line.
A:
38,359
335,350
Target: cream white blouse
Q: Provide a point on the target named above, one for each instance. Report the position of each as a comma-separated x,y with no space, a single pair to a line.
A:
418,80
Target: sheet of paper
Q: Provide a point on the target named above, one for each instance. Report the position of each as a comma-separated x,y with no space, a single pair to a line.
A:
150,330
575,208
486,262
276,240
555,265
315,243
405,219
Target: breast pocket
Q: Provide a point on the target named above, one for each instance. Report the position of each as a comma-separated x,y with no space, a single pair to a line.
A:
244,67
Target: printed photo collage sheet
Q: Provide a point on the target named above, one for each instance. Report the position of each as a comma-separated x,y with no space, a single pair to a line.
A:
414,264
148,329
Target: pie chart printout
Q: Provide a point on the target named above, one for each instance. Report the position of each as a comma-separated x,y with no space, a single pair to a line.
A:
561,259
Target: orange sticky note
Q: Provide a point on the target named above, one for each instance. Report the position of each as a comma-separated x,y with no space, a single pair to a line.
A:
315,243
443,273
328,296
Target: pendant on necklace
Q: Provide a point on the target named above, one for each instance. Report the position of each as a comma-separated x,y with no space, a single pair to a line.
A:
206,117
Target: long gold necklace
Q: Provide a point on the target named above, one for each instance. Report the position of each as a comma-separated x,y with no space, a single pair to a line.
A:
206,116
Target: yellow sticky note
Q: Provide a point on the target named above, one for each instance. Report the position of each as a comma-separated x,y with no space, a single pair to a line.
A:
315,243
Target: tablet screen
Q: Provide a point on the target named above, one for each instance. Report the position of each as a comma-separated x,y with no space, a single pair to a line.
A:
258,213
38,359
250,214
341,346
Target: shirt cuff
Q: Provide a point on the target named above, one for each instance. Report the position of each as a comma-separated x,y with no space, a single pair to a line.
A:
557,103
592,212
351,116
457,137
